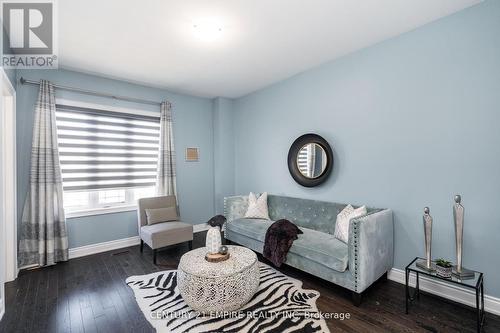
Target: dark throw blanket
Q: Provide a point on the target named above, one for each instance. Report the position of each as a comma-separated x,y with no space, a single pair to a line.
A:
279,238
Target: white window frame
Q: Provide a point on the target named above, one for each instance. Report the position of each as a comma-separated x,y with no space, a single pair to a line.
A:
126,207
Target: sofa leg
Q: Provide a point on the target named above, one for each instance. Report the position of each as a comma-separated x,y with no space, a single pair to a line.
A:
154,256
356,298
142,245
190,244
384,277
228,242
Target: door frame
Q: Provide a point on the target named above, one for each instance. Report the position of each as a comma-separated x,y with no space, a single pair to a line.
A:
8,160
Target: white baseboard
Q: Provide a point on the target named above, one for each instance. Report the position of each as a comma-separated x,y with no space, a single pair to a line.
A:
449,291
200,227
87,250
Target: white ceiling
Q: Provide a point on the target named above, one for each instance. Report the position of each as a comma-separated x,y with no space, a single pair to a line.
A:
262,41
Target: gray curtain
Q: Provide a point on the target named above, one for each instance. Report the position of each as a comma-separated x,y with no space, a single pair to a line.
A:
43,238
166,179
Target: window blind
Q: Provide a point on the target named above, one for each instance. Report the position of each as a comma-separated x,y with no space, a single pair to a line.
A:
100,149
302,161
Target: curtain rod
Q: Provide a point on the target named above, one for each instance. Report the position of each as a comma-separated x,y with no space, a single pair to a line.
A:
95,93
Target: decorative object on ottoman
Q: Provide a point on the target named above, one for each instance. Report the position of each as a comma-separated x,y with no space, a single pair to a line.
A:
275,289
458,216
279,239
427,263
443,268
216,257
223,249
217,287
213,240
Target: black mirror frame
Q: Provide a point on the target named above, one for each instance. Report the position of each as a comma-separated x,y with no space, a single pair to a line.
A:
292,160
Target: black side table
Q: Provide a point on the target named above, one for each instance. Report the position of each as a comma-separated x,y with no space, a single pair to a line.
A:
475,283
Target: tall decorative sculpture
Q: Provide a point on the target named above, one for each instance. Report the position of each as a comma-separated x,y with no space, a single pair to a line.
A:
213,241
458,216
427,263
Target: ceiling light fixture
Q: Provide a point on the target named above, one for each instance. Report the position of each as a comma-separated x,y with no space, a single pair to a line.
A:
207,30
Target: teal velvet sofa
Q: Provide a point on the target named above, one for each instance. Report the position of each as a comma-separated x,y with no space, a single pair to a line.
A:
355,266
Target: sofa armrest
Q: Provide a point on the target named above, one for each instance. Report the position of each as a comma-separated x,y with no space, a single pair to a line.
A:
235,207
371,247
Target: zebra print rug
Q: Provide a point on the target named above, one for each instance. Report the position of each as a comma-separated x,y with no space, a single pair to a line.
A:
280,305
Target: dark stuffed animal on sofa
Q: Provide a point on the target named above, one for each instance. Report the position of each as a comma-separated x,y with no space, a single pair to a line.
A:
217,221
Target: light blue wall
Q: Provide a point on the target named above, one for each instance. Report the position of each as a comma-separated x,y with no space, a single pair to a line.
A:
193,127
223,151
413,121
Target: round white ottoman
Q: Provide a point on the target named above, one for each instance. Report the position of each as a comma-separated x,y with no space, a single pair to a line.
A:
217,287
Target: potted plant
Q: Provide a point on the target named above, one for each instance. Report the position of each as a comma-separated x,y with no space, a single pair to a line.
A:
443,268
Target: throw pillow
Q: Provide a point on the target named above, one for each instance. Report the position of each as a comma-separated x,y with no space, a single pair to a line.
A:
257,208
157,215
343,218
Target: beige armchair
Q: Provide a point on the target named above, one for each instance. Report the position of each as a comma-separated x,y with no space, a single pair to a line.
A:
161,234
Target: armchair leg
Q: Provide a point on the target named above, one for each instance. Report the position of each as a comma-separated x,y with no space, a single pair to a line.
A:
142,245
154,256
356,298
190,244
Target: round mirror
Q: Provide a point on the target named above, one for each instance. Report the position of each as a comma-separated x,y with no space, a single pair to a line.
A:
310,160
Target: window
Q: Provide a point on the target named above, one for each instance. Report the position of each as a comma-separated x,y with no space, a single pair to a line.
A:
108,158
303,161
112,196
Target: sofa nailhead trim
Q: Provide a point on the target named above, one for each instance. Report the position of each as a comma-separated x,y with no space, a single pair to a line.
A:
355,232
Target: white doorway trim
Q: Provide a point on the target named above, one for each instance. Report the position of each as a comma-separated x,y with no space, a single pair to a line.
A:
8,132
8,206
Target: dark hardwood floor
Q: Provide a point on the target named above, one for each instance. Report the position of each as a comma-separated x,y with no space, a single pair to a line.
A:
89,294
